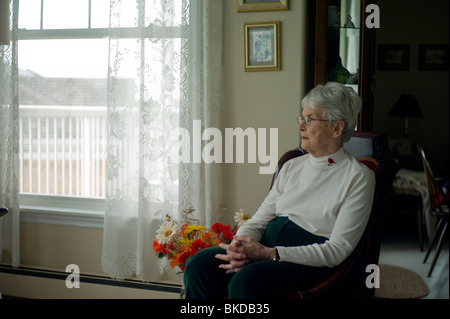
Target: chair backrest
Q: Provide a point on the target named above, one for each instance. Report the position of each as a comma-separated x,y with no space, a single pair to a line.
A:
368,250
348,280
286,157
438,199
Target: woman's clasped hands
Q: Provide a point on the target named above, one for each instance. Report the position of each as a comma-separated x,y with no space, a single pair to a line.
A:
242,251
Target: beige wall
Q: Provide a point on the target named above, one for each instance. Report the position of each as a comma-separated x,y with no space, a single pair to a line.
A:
251,100
262,99
54,247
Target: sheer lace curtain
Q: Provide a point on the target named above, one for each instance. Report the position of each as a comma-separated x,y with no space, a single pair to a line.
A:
164,74
9,144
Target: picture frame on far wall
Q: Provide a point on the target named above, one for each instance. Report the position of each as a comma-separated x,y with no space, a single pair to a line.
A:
262,46
400,146
433,57
393,57
261,5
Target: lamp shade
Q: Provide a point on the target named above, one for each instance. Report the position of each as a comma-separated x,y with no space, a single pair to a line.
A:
406,106
5,23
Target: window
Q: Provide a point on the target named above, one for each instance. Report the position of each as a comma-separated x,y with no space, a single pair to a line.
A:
63,64
63,67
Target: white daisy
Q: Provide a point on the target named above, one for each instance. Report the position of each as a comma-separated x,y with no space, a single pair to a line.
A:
240,217
166,232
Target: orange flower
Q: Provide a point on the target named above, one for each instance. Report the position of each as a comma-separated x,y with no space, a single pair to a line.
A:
174,262
211,239
156,246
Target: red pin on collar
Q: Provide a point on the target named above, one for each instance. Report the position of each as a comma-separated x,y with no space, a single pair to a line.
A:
330,161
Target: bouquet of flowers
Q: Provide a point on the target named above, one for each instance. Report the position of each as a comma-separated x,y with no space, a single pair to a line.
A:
179,242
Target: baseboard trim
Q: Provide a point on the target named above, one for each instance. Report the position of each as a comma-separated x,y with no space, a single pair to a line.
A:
93,279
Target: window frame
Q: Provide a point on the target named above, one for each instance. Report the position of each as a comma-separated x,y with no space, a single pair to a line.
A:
62,209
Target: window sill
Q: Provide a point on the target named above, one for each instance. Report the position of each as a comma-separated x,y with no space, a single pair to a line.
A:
62,210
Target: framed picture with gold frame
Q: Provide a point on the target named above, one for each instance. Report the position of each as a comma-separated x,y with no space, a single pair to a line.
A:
261,5
262,46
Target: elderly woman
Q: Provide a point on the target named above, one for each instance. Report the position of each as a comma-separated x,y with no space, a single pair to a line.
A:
311,220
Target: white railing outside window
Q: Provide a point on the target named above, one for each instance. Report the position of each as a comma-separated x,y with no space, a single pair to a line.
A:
63,150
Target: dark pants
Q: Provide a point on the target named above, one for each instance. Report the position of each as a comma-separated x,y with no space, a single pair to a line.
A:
267,279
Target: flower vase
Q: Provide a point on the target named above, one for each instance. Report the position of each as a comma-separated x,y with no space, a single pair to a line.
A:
182,289
182,292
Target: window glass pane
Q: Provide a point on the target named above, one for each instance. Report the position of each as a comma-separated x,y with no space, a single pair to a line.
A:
62,122
74,58
99,13
30,14
66,14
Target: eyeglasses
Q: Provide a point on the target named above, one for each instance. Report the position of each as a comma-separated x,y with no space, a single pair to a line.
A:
308,120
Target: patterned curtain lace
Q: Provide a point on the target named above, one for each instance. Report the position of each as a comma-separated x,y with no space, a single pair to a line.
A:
163,74
9,146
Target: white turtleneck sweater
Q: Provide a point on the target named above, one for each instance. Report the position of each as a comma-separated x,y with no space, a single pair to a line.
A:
332,200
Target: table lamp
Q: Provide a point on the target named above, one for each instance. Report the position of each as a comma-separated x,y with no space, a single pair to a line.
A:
407,107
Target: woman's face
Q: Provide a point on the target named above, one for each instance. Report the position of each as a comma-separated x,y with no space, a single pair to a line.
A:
318,138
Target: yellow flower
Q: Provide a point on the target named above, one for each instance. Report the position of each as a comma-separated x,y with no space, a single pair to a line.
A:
166,232
183,242
191,230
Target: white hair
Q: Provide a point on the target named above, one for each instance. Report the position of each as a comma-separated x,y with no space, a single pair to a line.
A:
339,102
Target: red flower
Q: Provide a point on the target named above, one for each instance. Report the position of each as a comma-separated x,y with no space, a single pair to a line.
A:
217,228
160,250
198,245
183,258
224,230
